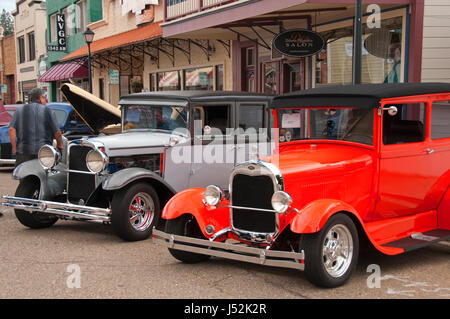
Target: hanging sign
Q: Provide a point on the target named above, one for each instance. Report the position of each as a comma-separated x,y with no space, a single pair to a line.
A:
298,43
60,34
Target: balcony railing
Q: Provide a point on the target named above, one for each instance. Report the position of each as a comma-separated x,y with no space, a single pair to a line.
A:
174,9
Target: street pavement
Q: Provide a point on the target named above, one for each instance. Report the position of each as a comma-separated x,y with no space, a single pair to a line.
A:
86,260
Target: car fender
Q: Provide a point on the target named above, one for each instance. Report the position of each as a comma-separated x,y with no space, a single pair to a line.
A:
126,176
190,201
313,216
51,184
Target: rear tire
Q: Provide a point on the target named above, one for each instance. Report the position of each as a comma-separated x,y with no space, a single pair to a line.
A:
331,254
185,225
34,220
135,211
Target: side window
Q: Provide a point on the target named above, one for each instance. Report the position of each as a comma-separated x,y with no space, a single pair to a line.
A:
407,126
215,116
440,117
251,116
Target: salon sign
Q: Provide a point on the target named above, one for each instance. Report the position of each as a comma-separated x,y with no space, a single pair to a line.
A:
298,43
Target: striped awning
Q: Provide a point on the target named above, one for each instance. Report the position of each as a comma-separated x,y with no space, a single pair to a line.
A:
64,71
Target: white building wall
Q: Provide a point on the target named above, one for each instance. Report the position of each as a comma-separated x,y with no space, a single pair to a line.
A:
436,41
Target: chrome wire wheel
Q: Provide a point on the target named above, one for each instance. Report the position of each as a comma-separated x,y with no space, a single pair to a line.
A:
141,211
337,250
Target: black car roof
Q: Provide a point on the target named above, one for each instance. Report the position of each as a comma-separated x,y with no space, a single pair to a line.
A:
193,96
357,95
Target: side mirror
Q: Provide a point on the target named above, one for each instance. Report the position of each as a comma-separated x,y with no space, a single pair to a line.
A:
73,123
392,110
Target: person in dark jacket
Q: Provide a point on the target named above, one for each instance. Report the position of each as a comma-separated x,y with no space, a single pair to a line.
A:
33,126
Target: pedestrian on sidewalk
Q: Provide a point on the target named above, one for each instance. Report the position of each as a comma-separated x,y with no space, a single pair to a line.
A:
33,126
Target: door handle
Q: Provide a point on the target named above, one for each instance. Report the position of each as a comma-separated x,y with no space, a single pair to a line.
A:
429,151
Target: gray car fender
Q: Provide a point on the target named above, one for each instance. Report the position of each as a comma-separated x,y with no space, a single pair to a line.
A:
126,176
51,184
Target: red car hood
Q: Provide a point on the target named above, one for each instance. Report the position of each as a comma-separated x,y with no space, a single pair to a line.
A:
307,159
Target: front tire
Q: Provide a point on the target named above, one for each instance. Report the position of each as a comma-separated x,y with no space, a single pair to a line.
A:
135,211
185,225
331,254
34,220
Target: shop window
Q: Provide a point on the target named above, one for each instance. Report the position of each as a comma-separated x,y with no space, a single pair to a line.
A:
198,79
440,117
381,54
169,81
407,126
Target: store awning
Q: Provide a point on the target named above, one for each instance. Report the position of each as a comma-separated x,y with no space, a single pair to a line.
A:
63,71
134,36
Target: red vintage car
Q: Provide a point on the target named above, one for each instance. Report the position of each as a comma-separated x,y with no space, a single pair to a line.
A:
353,163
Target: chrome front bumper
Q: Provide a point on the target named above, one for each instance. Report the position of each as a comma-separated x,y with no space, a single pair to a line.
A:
57,208
11,162
239,252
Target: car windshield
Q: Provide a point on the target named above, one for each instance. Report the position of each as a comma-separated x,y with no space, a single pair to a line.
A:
345,124
60,116
145,117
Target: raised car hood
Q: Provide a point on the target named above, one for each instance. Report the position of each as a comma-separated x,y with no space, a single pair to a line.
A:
96,113
133,143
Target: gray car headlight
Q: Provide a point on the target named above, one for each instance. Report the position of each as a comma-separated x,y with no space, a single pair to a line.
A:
48,156
213,195
281,201
96,161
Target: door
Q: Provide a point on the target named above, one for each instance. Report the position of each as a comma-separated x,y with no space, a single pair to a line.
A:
293,76
404,170
213,149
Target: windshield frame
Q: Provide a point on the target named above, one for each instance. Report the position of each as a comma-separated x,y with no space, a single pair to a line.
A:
278,127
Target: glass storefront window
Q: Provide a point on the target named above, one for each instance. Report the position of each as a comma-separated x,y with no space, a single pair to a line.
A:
169,81
381,54
199,79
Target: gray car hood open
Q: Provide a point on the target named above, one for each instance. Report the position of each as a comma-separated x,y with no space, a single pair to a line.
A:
133,143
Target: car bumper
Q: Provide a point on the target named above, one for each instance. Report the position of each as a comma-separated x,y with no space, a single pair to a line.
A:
11,162
57,208
239,252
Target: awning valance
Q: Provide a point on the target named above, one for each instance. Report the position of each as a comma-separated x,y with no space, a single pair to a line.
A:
63,71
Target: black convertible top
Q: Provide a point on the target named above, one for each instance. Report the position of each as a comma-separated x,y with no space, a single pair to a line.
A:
357,95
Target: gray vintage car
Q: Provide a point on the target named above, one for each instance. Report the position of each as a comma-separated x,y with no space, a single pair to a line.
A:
169,141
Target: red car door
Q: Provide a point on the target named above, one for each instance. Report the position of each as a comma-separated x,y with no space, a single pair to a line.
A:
404,165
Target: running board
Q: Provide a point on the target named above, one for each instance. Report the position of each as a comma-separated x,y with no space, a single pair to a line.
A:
420,240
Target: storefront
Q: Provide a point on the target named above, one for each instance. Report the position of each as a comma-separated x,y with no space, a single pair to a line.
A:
258,67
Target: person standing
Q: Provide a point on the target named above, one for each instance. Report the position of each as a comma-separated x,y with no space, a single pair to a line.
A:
33,126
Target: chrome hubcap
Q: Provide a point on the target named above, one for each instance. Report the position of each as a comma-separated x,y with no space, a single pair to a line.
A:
337,250
141,211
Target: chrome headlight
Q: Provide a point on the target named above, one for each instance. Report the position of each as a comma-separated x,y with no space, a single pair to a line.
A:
213,195
48,156
96,161
281,201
